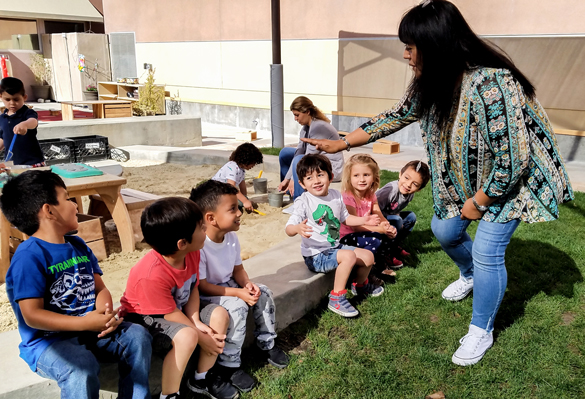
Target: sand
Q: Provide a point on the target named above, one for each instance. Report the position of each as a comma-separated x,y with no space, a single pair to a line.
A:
257,233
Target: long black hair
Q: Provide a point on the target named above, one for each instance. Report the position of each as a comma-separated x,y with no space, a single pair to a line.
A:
446,47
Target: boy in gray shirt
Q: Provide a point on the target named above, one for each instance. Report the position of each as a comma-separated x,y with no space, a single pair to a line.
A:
395,196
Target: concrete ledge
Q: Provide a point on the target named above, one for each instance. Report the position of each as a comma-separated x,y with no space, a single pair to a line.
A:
281,268
191,156
296,289
164,130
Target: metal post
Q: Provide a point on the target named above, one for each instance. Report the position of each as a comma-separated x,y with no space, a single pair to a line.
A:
276,81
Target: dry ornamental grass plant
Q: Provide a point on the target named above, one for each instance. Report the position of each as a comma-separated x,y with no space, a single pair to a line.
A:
150,97
40,69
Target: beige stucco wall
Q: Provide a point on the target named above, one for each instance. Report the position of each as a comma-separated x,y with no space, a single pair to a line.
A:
342,54
214,20
238,72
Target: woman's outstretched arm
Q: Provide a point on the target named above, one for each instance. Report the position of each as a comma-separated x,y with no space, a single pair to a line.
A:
355,139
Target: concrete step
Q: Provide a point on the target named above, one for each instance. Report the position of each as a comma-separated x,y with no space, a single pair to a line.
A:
281,268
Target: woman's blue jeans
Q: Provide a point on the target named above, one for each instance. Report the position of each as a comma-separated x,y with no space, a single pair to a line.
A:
287,160
74,362
482,259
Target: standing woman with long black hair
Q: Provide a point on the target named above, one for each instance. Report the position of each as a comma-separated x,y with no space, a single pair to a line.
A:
491,149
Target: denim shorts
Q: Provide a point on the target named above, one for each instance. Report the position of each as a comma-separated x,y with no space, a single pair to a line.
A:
325,261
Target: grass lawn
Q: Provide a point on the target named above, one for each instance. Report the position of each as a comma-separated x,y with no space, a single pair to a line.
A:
270,150
402,343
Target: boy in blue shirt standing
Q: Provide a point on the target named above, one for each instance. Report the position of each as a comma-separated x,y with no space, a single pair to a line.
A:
64,310
18,122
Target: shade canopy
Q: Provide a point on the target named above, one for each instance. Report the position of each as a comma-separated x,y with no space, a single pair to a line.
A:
63,10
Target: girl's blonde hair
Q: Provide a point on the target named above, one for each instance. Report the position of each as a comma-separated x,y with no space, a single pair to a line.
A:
360,159
303,104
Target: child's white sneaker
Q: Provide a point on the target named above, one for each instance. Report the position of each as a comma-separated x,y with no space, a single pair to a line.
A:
289,210
458,289
473,346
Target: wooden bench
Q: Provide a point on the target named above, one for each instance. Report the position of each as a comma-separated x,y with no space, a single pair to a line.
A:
135,202
90,229
101,108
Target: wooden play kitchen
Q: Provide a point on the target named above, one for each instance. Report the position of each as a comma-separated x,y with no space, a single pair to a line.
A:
101,109
107,187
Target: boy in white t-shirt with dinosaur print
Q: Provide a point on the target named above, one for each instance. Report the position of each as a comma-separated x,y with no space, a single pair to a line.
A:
317,217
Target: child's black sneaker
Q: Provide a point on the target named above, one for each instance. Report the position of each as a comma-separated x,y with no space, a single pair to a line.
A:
238,377
277,357
213,387
366,289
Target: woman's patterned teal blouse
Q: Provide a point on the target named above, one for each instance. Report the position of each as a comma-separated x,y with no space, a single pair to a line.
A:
497,140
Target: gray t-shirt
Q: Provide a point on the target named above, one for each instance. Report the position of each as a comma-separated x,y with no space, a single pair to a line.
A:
324,215
319,130
391,200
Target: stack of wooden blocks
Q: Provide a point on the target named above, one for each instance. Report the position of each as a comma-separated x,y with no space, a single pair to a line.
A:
384,146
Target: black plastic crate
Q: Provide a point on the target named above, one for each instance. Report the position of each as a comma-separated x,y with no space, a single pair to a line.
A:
54,150
58,151
91,148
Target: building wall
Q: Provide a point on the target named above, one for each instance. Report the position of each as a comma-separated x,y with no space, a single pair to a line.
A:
218,20
343,54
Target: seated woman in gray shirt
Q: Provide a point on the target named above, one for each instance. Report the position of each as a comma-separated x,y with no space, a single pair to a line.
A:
315,125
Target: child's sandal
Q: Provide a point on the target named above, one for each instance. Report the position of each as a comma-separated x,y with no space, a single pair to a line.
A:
389,272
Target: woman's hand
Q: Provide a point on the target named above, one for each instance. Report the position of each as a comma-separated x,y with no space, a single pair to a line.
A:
330,146
470,212
283,186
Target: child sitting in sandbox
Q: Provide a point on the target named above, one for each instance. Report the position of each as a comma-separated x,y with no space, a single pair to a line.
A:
317,217
245,157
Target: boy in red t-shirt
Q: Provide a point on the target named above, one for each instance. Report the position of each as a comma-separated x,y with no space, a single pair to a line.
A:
162,295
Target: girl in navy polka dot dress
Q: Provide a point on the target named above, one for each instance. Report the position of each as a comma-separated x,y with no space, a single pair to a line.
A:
360,180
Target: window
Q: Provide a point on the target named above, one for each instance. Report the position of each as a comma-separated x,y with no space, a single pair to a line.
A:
60,27
18,34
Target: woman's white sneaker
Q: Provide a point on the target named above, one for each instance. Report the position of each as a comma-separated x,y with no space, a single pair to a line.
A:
473,346
458,289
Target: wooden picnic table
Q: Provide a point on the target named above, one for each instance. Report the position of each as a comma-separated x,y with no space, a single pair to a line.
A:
107,187
101,108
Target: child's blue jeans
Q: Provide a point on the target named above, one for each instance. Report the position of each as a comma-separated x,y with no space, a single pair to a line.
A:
74,362
482,259
403,222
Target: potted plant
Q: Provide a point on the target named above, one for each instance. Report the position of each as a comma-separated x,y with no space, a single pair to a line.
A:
42,73
90,93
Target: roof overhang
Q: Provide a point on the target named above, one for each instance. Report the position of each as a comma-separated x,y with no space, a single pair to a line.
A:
63,10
